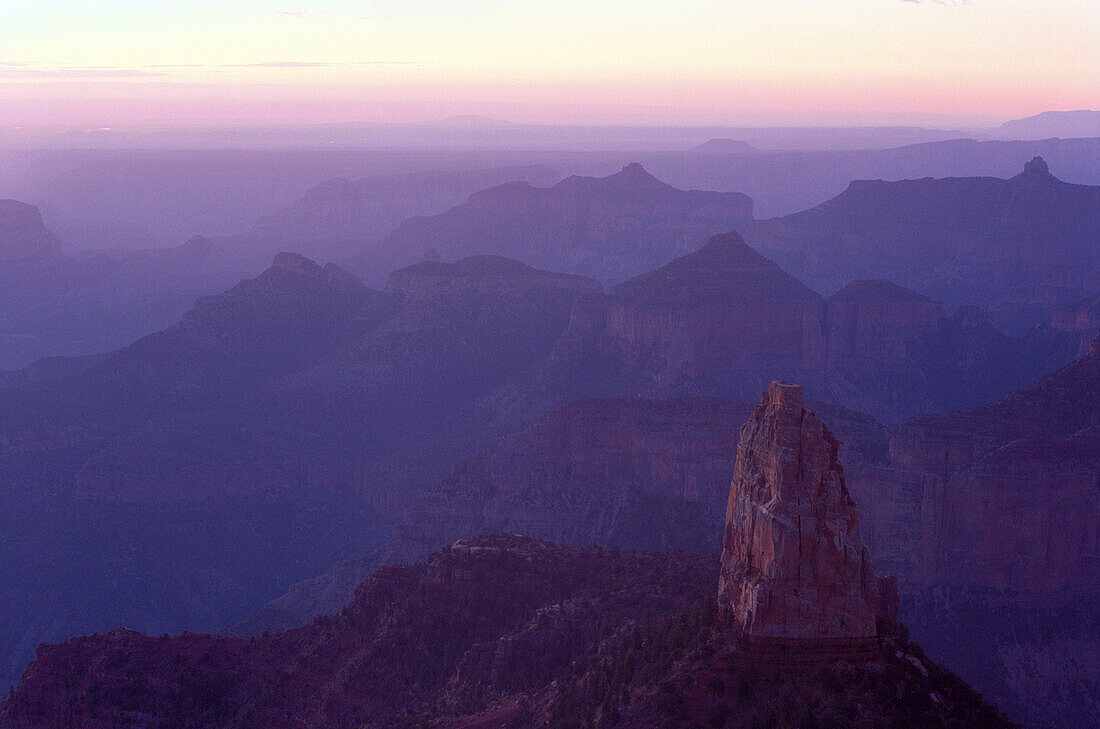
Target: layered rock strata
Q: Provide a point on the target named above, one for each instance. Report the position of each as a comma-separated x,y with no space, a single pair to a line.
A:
796,577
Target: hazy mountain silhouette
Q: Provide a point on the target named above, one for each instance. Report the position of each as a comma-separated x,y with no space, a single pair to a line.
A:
1020,246
1064,124
607,228
55,304
337,217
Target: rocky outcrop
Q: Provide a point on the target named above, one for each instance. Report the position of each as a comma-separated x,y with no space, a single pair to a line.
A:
795,571
1028,464
991,519
614,472
484,618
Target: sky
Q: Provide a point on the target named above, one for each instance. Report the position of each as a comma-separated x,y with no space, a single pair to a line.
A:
113,63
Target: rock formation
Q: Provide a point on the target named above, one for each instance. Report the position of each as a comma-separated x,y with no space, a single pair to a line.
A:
613,472
795,574
877,321
991,520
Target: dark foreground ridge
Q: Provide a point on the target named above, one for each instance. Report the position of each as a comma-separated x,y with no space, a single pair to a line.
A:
493,631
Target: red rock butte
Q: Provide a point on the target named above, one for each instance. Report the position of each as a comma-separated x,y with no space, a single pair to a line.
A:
796,583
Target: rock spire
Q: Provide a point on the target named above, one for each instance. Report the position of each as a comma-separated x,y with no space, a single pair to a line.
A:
795,573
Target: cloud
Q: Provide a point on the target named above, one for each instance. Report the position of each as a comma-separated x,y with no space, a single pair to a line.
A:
293,13
279,64
17,70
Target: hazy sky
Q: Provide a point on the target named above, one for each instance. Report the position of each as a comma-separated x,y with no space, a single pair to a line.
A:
117,62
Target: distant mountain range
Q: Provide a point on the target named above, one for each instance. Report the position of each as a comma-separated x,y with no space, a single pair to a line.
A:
341,216
1020,247
104,199
998,251
1063,124
607,228
56,304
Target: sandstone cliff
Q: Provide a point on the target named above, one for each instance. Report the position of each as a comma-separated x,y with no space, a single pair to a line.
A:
794,568
614,472
991,519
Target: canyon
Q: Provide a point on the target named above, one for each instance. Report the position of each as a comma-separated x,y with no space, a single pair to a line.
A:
287,425
511,631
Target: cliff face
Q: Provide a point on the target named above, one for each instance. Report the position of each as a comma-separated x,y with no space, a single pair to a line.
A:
794,568
724,321
1028,464
615,472
995,511
641,474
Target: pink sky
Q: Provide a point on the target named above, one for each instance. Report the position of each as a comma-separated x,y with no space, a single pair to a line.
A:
128,63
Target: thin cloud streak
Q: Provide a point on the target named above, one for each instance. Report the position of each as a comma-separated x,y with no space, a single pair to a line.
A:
288,64
16,70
